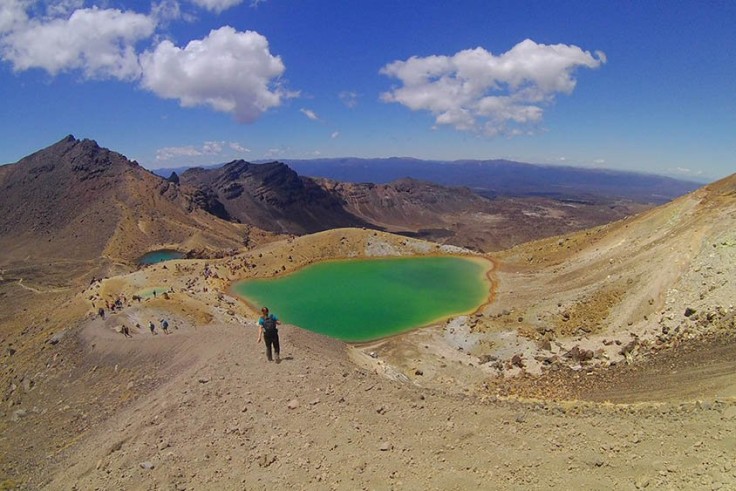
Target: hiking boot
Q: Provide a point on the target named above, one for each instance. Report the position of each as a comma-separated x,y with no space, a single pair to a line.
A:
278,358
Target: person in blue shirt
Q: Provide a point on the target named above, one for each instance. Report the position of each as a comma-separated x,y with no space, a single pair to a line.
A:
268,331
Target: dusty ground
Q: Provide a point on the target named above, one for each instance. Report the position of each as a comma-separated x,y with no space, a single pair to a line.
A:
603,362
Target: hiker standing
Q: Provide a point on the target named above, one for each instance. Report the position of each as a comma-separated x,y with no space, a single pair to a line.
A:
269,332
152,327
165,326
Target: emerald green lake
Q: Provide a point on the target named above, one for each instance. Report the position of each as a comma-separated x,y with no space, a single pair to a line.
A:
364,300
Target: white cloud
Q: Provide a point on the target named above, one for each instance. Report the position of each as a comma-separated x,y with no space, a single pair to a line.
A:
220,149
309,114
168,153
238,147
13,14
63,8
229,71
100,43
335,134
216,6
349,98
165,11
475,90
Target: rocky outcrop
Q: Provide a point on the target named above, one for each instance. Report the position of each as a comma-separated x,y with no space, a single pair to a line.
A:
271,196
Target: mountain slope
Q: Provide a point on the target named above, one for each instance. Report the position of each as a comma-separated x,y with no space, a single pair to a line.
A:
78,201
271,196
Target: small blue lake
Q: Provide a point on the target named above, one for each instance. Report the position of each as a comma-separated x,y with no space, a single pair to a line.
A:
160,256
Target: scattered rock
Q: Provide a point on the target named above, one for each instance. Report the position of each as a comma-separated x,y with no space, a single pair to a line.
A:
147,465
203,380
56,338
385,447
483,359
293,404
266,460
729,413
689,311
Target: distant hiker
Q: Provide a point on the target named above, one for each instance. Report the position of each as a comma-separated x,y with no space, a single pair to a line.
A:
126,331
152,327
165,326
101,312
154,293
269,332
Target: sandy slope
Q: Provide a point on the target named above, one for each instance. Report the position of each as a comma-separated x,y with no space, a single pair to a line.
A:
216,415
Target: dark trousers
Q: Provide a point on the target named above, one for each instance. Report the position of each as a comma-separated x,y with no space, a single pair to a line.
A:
271,339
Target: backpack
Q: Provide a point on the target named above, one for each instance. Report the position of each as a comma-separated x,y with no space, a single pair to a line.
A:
269,324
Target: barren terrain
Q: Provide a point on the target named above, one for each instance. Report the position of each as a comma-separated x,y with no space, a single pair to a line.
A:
604,361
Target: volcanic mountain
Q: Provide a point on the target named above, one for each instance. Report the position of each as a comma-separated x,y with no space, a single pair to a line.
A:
76,200
272,197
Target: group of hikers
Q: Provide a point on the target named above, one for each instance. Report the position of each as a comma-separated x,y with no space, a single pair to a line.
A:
267,331
125,330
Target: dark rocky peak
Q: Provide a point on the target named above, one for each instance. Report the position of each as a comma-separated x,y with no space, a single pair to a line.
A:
83,158
240,169
173,178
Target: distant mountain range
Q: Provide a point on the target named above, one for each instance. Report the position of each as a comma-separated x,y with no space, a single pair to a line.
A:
497,177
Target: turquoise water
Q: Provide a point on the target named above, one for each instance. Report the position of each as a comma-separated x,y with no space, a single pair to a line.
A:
162,255
363,300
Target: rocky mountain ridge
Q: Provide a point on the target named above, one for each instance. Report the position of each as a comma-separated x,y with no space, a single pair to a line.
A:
271,196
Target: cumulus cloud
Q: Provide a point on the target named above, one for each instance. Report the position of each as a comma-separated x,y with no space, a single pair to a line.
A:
168,153
99,42
238,147
309,114
216,6
166,11
475,90
209,148
335,134
228,71
13,14
63,8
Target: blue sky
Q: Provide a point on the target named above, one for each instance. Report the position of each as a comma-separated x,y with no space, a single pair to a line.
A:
631,85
